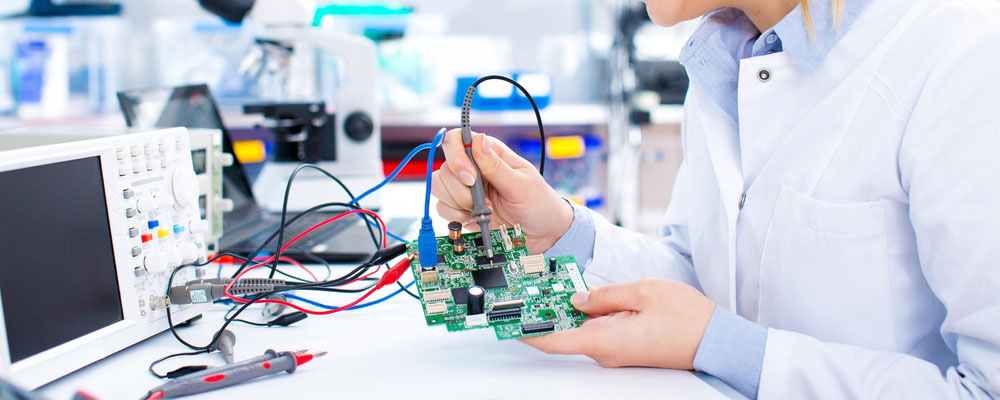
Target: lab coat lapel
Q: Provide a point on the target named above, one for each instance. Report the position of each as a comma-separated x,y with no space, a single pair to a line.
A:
817,109
722,145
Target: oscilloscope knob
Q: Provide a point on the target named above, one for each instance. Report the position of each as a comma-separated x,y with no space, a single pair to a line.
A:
184,185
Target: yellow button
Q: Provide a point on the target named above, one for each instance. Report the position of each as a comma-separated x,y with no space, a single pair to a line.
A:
162,233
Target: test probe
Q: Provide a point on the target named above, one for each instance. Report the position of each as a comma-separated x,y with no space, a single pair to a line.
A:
480,211
271,362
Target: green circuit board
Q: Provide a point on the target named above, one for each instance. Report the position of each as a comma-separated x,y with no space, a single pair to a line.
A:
523,297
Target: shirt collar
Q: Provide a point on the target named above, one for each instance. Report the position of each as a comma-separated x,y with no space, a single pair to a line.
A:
808,51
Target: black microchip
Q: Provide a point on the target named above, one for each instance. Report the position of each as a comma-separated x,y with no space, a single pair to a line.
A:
546,326
576,314
478,241
442,259
497,259
546,292
460,295
489,278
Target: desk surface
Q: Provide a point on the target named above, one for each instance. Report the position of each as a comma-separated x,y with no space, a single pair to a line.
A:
385,351
381,352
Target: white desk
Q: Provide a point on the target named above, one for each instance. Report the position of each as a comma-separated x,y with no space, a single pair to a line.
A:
385,351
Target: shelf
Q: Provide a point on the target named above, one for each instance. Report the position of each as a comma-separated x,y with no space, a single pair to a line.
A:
580,114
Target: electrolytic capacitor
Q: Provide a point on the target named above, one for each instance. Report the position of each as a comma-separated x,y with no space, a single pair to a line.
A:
454,231
459,246
477,299
552,264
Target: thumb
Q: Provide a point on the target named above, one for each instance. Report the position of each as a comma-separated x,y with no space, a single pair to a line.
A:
608,299
499,165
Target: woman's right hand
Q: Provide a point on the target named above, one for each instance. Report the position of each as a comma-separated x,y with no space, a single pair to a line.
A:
514,190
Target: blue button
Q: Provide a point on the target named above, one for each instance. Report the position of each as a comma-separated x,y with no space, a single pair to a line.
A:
153,223
178,229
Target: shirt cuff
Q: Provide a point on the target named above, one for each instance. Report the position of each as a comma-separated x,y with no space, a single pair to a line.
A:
732,350
578,239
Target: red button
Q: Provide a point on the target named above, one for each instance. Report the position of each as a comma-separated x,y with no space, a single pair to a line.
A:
266,365
147,237
215,378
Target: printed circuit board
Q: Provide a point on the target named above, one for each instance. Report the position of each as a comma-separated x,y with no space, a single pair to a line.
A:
515,293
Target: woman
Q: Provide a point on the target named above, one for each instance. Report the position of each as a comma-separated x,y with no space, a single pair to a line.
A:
832,228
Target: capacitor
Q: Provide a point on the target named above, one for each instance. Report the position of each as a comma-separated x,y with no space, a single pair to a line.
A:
477,298
454,231
459,246
552,264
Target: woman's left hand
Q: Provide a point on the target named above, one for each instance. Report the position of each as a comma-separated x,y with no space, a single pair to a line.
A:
647,323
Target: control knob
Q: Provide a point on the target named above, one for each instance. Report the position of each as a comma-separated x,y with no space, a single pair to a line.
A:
154,262
189,252
184,185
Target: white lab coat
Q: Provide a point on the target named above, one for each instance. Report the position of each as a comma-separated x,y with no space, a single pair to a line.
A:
872,209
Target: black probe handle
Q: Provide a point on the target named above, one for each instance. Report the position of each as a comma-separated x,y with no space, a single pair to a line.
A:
269,363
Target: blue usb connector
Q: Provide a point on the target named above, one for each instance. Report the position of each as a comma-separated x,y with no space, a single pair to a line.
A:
427,240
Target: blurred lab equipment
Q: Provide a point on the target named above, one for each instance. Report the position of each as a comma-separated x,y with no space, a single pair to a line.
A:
288,52
65,67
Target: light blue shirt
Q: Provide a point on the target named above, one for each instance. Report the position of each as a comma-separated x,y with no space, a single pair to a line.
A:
732,348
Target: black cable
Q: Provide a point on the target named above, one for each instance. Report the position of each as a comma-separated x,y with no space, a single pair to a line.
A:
467,105
250,322
388,253
274,234
284,209
401,286
318,260
165,376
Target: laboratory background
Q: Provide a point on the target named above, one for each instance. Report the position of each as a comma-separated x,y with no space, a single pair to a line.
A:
606,79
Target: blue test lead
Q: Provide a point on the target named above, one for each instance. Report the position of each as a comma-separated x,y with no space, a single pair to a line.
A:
271,362
427,241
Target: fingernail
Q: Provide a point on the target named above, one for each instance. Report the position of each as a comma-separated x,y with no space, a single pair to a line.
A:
579,299
487,149
467,178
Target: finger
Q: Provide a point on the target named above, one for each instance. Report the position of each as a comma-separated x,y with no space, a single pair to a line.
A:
497,169
451,214
610,299
581,340
439,191
458,162
459,193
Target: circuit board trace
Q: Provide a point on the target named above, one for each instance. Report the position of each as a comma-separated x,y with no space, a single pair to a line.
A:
524,295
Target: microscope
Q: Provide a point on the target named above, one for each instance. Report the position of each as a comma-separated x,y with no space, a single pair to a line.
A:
343,138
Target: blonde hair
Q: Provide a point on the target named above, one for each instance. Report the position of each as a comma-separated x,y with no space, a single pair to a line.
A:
838,14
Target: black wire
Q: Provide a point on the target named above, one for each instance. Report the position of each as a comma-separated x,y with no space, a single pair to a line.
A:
284,210
250,322
318,260
153,364
321,286
292,221
467,105
401,286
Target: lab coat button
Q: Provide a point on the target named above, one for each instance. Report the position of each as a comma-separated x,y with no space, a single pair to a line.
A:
764,75
743,199
701,62
771,38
